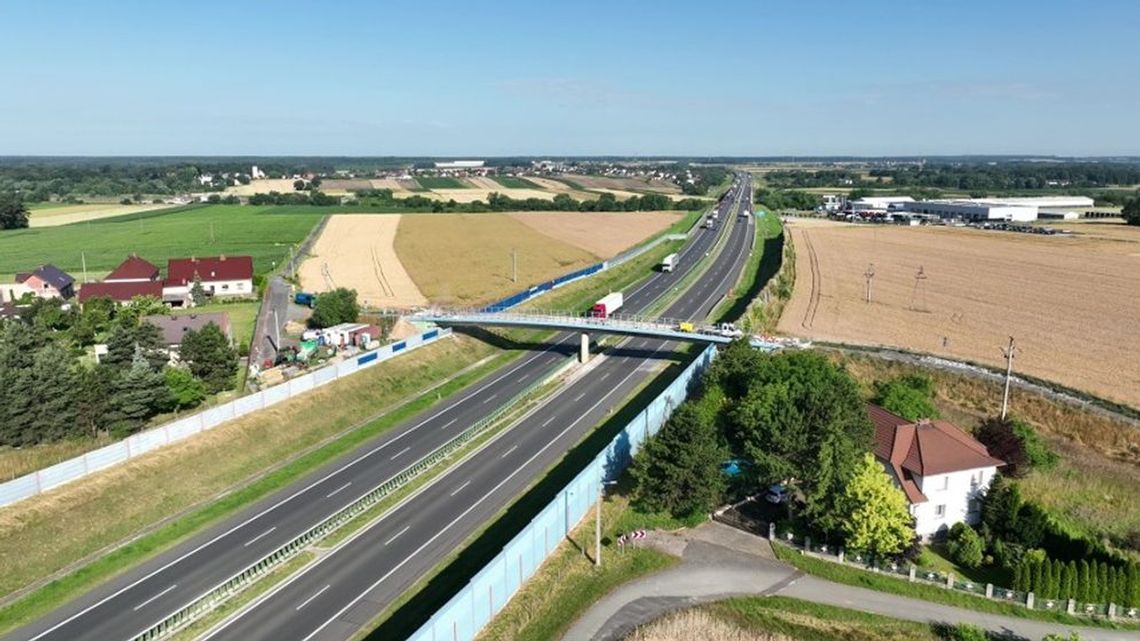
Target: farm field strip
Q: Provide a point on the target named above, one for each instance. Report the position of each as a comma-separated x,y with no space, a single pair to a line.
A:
972,293
604,234
55,216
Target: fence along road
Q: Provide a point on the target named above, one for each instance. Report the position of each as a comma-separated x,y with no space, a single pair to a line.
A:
131,603
338,595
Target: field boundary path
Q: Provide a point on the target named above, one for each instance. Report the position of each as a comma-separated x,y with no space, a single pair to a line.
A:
717,564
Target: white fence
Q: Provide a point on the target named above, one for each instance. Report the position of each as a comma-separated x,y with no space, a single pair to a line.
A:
29,485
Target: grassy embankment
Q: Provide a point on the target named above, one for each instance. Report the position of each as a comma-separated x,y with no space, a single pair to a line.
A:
762,265
1091,489
927,592
217,473
233,230
782,619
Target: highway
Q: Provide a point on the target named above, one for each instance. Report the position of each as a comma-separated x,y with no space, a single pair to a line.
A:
140,597
336,597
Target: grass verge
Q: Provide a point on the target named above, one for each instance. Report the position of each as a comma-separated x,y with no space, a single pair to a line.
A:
38,541
814,622
882,583
762,265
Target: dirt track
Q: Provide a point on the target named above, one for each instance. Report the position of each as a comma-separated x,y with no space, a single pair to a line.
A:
1069,302
358,251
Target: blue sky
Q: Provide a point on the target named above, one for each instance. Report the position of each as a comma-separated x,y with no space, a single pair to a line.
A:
735,77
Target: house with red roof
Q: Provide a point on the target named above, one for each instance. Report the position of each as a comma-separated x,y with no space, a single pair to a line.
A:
133,270
221,276
943,471
133,277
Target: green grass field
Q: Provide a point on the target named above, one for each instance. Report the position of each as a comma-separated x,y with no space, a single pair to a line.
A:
243,317
514,182
440,182
265,233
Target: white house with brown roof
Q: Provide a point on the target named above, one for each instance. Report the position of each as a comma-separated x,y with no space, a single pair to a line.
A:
943,471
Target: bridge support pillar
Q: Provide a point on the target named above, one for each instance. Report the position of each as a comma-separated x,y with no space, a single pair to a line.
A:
584,350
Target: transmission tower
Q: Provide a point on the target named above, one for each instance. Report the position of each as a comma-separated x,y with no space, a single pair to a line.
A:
869,276
918,295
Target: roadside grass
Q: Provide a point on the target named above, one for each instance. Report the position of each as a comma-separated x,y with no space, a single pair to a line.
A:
80,532
1089,491
935,556
233,230
17,461
516,182
424,598
441,182
928,592
762,265
806,621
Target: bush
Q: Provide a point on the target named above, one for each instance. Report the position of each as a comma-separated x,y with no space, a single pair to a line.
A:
965,546
911,397
1016,443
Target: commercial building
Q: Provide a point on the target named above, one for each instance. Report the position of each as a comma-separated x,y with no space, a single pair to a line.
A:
973,210
870,204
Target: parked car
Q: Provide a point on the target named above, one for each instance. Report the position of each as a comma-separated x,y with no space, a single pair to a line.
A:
777,494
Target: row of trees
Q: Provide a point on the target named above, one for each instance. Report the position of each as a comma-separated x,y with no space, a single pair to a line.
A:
792,417
51,391
980,176
780,199
1084,580
315,198
1131,211
384,198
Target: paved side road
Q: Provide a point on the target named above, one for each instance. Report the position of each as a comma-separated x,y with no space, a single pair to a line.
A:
710,571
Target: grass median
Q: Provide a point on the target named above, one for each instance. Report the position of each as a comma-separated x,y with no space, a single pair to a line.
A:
208,478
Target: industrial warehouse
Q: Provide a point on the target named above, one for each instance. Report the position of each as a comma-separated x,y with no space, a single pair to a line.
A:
1025,209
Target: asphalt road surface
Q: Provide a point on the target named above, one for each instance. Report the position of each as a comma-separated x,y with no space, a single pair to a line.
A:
131,603
334,598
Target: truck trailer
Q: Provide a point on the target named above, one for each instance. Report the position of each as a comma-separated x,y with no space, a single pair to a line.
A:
668,263
607,305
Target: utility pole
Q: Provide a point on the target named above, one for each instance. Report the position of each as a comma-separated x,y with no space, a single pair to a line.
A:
277,330
83,257
598,528
211,232
870,276
514,265
1008,353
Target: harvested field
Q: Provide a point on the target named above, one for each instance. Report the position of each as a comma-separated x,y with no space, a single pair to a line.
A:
263,186
465,259
357,250
68,214
559,187
389,183
339,184
602,234
1068,301
471,194
606,183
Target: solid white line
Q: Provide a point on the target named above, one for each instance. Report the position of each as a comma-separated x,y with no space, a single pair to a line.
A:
397,534
337,490
144,603
259,537
513,448
310,599
449,423
459,401
474,505
397,454
460,488
490,398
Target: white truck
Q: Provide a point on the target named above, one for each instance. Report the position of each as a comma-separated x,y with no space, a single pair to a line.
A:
607,305
708,223
668,263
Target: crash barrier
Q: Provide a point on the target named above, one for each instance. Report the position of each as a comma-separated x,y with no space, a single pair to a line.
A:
76,468
461,618
212,599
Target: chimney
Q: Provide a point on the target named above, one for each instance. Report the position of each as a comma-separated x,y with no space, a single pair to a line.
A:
222,258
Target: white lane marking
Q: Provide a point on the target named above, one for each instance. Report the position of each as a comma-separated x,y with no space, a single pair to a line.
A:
490,398
144,603
513,448
473,393
547,421
449,423
521,378
579,397
474,505
338,490
604,376
259,537
401,452
460,488
310,599
397,535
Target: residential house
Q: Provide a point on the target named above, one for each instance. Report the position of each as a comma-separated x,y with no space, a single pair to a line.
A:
174,328
133,270
46,281
133,277
943,471
221,276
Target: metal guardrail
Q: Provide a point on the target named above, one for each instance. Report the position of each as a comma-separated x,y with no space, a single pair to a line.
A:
218,595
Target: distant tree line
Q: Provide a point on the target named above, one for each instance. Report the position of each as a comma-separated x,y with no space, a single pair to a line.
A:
780,199
969,177
54,391
384,198
704,178
315,198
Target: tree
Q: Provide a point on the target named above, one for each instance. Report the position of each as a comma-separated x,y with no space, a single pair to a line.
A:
877,519
1131,211
197,292
911,397
298,185
186,390
335,307
210,357
1016,443
13,212
126,340
1084,581
139,393
965,546
678,470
